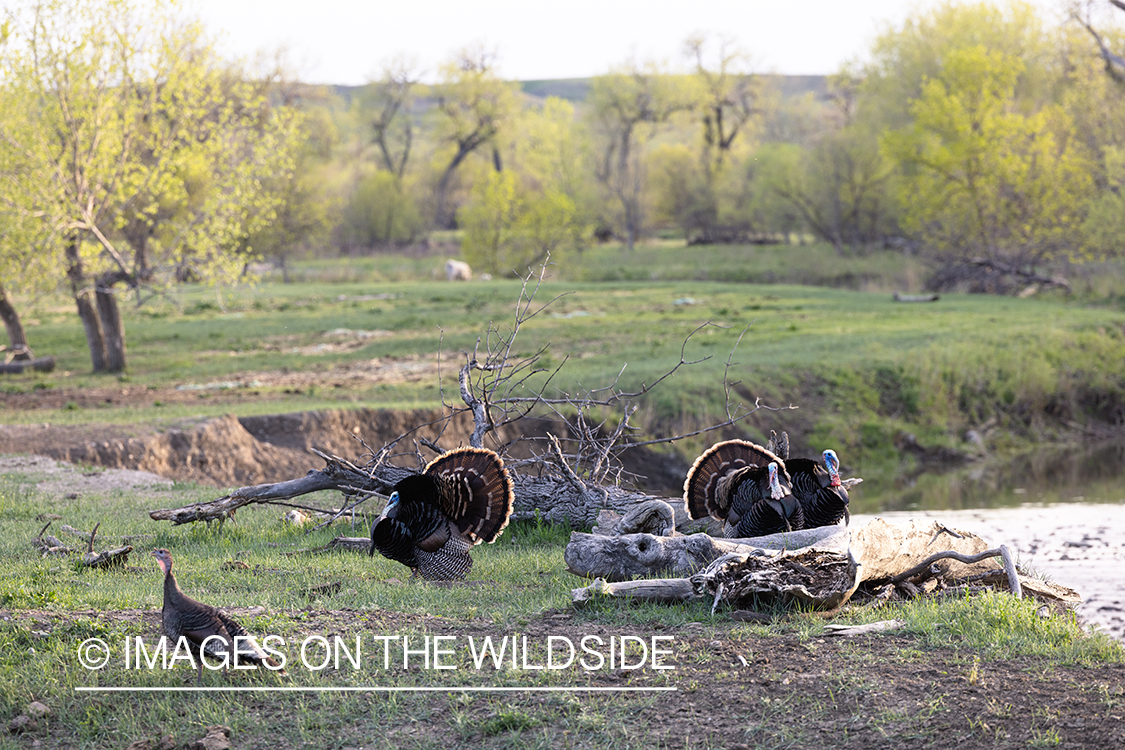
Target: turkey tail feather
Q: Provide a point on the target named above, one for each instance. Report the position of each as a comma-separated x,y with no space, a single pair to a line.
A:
707,488
476,492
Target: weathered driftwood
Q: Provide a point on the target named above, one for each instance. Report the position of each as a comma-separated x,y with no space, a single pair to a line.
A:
663,590
655,517
335,476
886,549
872,627
346,543
820,578
928,568
110,558
620,558
50,545
1041,590
822,569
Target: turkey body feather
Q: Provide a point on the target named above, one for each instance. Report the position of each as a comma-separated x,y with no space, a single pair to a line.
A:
432,520
207,630
823,499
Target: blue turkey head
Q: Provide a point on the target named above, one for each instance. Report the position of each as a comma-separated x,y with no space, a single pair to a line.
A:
832,463
776,490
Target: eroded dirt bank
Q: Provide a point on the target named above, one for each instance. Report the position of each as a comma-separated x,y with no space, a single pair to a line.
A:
237,451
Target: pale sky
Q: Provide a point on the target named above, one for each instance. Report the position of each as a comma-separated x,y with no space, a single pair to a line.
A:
345,41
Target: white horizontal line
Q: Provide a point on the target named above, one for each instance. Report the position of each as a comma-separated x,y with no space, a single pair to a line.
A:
374,689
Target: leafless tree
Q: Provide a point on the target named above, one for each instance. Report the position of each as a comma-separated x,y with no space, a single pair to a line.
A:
393,122
1114,63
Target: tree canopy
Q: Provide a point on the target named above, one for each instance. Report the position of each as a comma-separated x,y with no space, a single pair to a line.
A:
141,157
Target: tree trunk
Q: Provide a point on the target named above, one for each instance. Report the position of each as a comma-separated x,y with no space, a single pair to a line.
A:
95,339
442,216
17,338
113,327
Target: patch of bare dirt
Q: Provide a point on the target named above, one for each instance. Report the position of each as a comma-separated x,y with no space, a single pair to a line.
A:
256,386
58,478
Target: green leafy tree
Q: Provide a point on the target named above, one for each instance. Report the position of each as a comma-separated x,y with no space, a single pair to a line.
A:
1105,224
489,220
380,212
391,101
838,182
1095,98
473,104
985,182
139,152
905,58
553,153
731,104
508,230
306,208
839,187
628,106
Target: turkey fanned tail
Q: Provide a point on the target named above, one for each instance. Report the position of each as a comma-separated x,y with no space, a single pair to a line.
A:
708,488
475,492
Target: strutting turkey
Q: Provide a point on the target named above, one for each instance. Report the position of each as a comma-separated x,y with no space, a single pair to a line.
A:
744,485
823,497
433,519
221,638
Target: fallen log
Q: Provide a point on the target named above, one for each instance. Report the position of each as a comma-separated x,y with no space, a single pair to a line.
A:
556,499
110,558
821,578
661,590
872,627
335,476
916,297
40,364
620,558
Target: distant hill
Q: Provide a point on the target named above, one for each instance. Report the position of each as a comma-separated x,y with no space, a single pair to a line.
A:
575,89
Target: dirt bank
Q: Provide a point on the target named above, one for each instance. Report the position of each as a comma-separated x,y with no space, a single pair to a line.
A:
237,451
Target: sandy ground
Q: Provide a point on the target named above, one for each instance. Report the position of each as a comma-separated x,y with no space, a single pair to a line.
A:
1077,545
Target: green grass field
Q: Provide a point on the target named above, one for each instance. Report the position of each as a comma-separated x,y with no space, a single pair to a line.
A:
862,368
